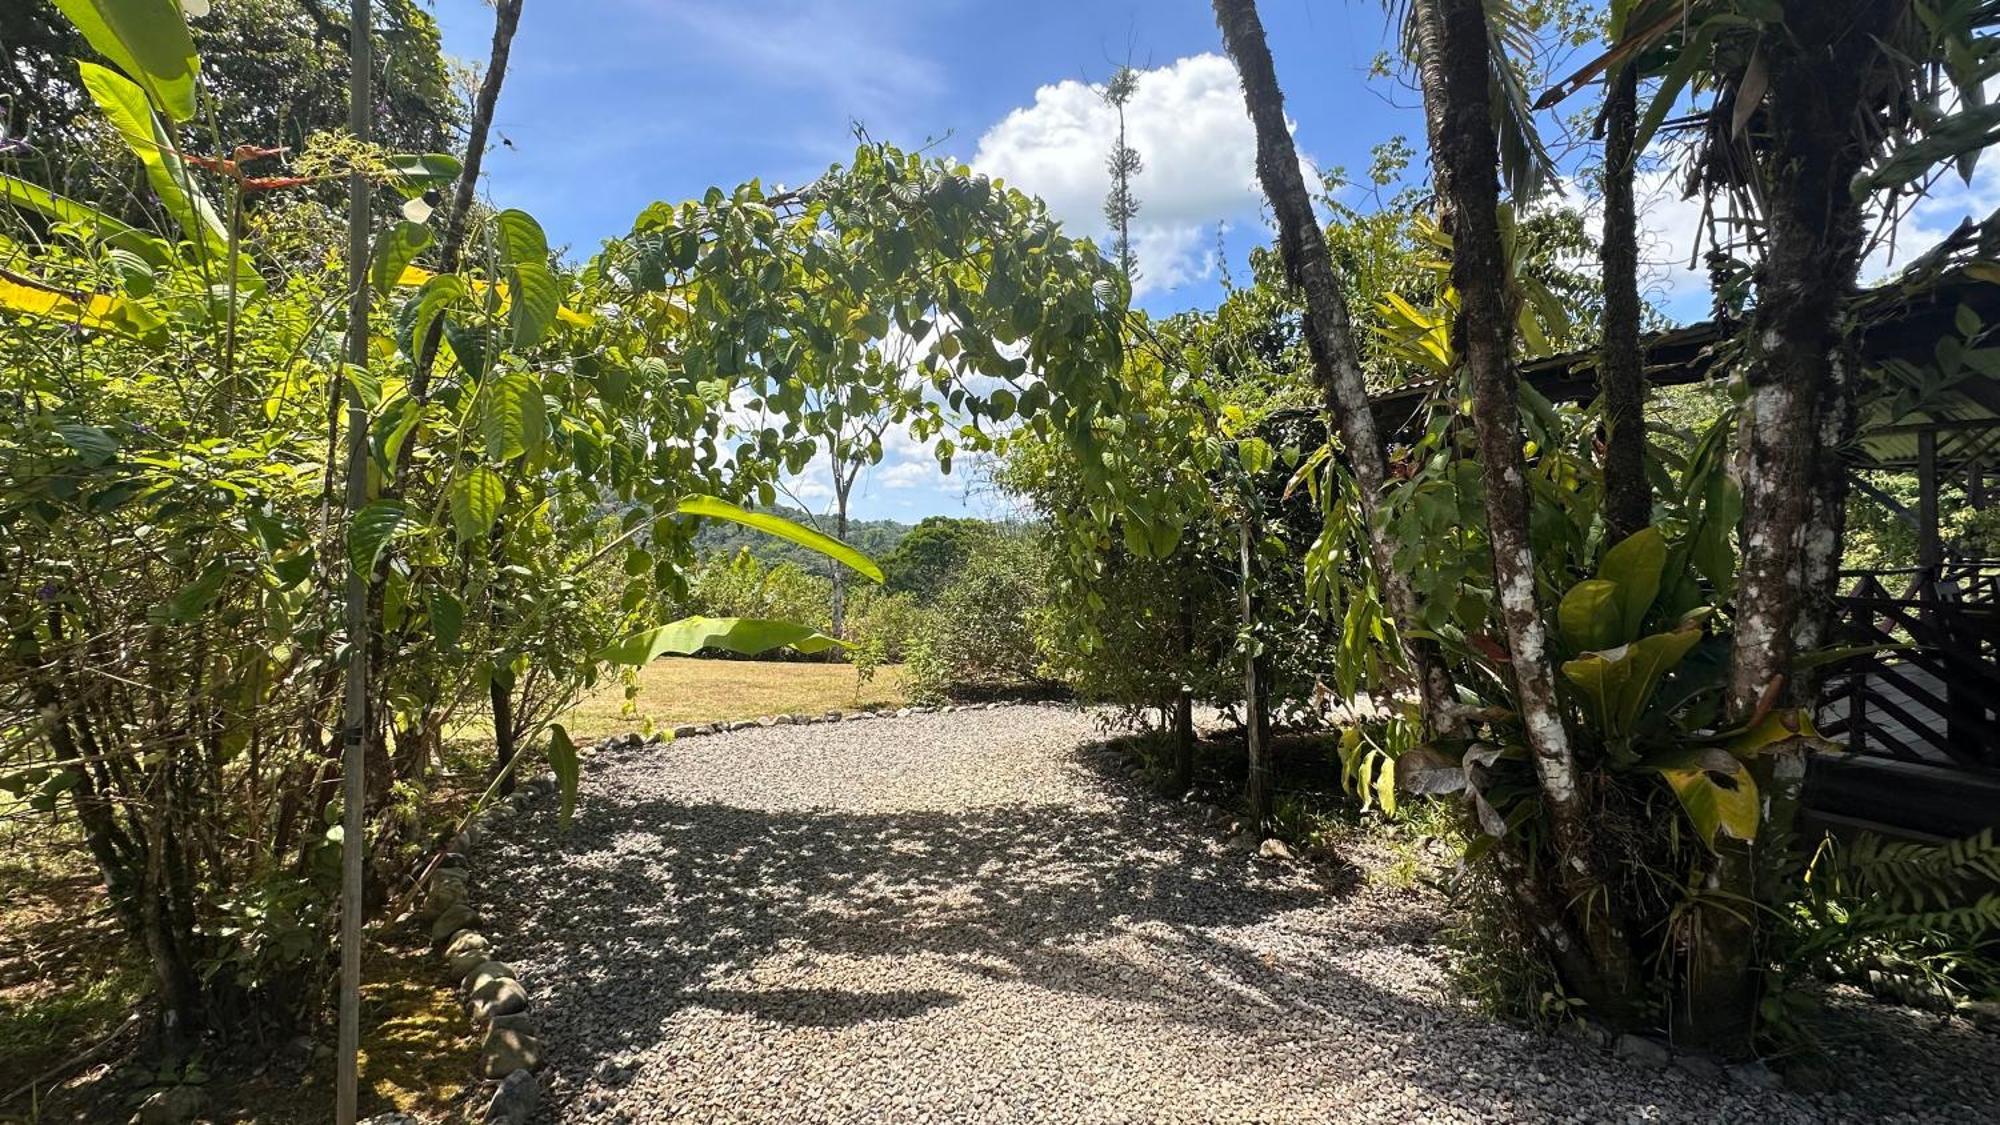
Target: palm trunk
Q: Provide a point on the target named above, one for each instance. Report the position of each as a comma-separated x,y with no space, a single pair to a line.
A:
1628,498
355,710
1330,339
1454,64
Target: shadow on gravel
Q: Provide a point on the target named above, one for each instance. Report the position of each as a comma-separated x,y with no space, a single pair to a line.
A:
823,1007
632,913
651,899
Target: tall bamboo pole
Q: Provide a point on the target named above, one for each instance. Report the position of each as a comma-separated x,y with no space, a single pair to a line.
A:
354,711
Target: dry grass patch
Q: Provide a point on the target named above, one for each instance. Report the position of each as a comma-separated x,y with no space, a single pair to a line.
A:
678,689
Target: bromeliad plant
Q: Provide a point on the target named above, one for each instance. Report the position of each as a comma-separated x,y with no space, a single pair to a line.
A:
1677,792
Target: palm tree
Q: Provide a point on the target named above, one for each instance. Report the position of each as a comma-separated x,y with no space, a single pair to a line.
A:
1330,338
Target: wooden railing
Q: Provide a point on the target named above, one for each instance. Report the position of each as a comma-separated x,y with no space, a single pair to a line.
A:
1934,698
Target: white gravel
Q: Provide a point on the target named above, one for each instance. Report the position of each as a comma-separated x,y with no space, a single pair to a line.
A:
962,917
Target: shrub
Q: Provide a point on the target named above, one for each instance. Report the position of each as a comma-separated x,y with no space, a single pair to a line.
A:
742,586
976,638
881,625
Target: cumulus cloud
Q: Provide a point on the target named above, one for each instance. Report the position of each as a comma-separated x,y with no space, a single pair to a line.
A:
1187,122
1672,237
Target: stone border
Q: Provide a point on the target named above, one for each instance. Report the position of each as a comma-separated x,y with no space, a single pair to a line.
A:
494,997
510,1050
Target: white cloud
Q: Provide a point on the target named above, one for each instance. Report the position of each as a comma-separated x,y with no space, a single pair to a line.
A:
908,474
1669,230
1950,202
1198,149
1672,239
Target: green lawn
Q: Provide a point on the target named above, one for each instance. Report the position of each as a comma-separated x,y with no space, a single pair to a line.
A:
679,689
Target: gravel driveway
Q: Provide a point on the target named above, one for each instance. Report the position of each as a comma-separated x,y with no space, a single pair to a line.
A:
962,917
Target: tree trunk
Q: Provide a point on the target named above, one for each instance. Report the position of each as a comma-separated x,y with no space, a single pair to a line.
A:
355,710
1330,339
506,18
1452,36
1800,369
1184,698
1628,498
1798,411
1257,786
839,571
500,696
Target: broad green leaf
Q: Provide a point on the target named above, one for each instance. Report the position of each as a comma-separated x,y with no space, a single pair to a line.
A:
476,498
32,297
521,238
418,171
447,619
1635,564
716,508
100,226
563,763
438,294
1590,616
512,417
1776,728
534,300
125,105
91,443
745,636
1254,453
149,41
193,598
1385,787
1715,789
369,533
1618,683
395,249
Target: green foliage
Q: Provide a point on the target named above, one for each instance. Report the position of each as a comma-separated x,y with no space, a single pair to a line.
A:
173,546
274,72
146,39
975,639
930,554
1914,921
876,539
741,586
882,626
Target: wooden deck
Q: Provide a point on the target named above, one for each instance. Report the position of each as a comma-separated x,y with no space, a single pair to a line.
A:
1901,719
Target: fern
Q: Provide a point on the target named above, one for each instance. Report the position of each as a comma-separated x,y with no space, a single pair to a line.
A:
1915,878
1909,921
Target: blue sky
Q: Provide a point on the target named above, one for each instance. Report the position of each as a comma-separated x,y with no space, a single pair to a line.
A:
612,104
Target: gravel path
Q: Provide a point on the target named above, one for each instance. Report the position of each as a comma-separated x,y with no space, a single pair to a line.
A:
964,917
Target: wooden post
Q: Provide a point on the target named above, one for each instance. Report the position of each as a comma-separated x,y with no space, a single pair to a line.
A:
1930,550
1257,788
354,711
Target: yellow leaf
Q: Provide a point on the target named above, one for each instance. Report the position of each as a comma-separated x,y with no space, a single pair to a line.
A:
414,277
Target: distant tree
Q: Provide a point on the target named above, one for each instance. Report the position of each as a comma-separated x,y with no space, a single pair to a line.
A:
276,70
934,552
1121,206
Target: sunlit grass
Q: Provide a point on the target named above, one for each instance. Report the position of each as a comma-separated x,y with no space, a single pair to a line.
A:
677,690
